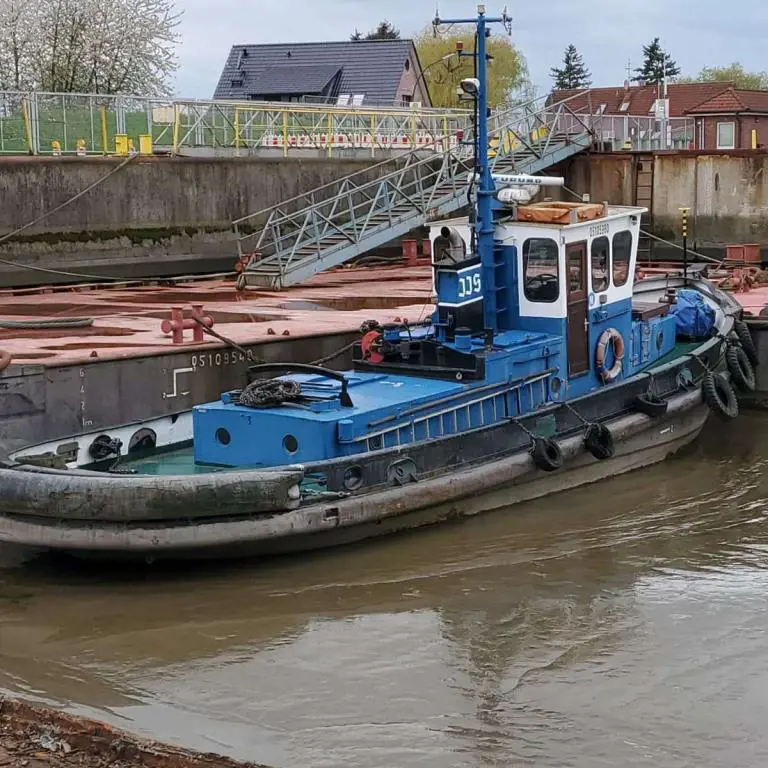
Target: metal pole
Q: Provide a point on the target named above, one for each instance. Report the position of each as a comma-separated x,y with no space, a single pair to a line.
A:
684,216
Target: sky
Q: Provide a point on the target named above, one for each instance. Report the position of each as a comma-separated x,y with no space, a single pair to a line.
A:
608,33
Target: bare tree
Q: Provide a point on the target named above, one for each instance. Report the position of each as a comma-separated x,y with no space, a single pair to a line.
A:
89,46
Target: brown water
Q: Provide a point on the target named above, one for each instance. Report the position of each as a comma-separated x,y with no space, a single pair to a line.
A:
619,625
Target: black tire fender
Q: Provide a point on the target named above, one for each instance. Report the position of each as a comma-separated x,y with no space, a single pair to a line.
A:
719,396
650,405
741,329
599,442
740,368
546,454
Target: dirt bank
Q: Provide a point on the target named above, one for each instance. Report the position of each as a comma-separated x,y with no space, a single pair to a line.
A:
37,737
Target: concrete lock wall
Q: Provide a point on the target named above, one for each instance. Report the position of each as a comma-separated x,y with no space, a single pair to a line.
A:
727,193
149,217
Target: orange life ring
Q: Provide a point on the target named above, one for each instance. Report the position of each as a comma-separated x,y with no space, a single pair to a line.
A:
611,335
5,359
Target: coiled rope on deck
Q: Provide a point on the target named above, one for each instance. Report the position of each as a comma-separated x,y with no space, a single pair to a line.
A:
268,393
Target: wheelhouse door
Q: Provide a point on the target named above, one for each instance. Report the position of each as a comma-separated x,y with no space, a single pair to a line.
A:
578,327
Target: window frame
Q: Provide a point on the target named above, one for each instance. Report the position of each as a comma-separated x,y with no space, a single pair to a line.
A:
609,264
525,260
614,260
732,124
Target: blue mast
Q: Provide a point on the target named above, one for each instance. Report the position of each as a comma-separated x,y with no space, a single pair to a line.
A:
484,226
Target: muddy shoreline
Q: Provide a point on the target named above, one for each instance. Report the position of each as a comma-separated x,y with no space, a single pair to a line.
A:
33,736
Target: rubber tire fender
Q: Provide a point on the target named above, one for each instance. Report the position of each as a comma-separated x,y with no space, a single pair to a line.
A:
741,329
5,359
599,442
740,368
546,454
719,396
650,405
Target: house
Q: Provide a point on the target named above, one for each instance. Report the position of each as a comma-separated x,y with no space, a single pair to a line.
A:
704,116
359,73
735,118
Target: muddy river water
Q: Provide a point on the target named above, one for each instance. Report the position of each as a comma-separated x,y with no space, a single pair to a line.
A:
624,624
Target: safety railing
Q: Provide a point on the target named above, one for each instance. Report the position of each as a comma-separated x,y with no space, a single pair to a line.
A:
52,123
251,127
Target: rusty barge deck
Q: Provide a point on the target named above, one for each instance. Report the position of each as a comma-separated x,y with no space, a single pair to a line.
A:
122,367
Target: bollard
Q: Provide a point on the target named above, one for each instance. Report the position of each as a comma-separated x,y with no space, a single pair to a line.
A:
410,252
177,324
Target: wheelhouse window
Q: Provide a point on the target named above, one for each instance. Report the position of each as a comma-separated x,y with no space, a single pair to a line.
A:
622,255
601,264
541,270
726,135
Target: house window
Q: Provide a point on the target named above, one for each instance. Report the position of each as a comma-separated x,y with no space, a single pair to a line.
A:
541,270
622,255
726,135
405,99
601,264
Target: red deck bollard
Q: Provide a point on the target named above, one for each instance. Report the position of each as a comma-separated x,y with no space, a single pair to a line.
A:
177,324
410,252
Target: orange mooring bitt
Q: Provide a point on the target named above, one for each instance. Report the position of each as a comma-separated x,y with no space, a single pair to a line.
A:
178,324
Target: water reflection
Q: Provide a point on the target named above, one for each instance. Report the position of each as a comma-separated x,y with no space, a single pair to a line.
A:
618,624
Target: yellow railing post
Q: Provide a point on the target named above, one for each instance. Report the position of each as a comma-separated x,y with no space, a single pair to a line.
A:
285,133
373,134
176,128
27,125
104,131
329,135
237,128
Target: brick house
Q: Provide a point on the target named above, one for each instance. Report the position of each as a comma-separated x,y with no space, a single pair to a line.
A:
701,116
735,118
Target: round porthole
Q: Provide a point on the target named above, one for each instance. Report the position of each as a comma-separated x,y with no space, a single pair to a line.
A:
223,437
660,340
353,478
291,444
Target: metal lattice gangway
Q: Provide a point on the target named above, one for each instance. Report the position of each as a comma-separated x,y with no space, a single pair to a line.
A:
323,228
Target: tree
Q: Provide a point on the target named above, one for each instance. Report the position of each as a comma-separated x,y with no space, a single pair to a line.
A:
18,23
89,46
657,64
736,74
507,69
384,31
574,73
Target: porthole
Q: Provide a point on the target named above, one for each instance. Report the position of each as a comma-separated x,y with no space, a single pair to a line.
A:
291,444
223,437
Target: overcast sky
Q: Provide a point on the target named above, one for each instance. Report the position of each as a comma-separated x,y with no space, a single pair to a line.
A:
696,32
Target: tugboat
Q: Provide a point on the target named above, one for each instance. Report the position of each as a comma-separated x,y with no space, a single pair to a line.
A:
546,365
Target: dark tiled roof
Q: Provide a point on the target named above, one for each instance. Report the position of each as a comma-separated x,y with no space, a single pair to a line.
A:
293,79
733,101
373,68
683,97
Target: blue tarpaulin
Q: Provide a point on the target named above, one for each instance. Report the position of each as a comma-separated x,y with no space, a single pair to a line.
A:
695,318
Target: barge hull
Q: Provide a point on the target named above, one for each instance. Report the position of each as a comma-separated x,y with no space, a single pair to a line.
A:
640,442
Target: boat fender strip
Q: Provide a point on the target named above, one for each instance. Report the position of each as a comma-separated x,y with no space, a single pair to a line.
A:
718,394
610,335
547,454
650,404
740,368
598,440
741,329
